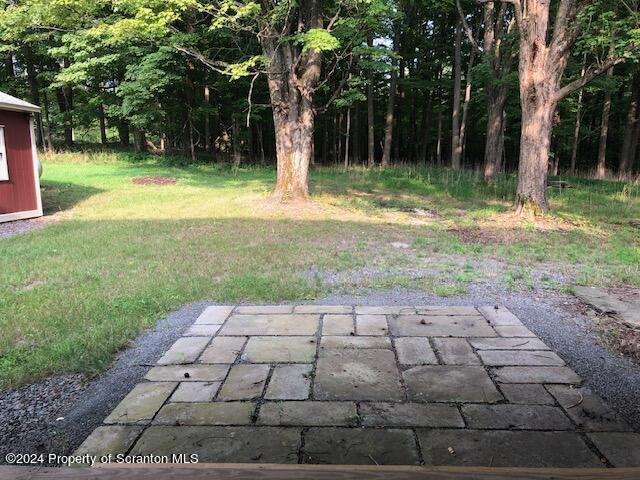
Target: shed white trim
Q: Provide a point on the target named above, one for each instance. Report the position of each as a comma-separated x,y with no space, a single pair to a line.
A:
7,102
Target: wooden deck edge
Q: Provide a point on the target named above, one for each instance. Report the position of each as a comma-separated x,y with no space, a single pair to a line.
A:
241,471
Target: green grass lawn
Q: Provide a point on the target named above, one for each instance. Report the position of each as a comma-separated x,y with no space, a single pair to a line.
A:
116,256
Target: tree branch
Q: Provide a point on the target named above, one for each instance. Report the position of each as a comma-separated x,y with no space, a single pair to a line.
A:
517,7
467,29
589,75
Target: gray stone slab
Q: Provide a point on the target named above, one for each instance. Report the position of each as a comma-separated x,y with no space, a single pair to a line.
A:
295,324
518,417
372,325
438,310
337,325
499,316
214,315
109,440
526,393
280,349
441,326
455,351
508,344
587,409
520,357
503,448
264,309
202,330
449,383
410,415
415,351
195,392
360,343
206,413
536,375
385,310
357,375
308,413
627,311
289,382
245,382
222,444
323,309
621,449
142,403
223,350
358,446
184,350
513,331
188,373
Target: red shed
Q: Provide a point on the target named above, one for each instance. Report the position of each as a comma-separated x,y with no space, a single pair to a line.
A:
19,179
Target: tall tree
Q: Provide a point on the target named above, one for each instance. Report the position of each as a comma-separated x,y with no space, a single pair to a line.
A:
545,48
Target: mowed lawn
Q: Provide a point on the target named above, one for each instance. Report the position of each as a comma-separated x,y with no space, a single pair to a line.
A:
116,256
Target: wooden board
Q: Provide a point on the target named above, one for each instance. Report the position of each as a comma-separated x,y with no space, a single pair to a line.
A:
312,472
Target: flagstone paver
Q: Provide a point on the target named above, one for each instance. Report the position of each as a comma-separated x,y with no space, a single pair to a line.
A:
441,326
587,410
185,350
519,357
449,383
526,393
536,375
355,446
296,324
280,350
142,403
222,444
110,440
308,414
357,375
505,448
621,449
245,382
455,351
205,413
223,350
520,417
202,330
388,414
371,325
195,392
507,344
214,315
336,324
289,382
415,351
366,385
188,373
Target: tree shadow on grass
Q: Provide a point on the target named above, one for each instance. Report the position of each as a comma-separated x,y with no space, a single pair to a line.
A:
60,196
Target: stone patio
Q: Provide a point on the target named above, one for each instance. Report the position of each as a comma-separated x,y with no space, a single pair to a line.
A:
366,385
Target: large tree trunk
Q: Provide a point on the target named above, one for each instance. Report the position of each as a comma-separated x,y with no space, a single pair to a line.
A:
601,170
370,118
103,125
493,148
388,127
628,150
292,78
465,107
576,130
455,114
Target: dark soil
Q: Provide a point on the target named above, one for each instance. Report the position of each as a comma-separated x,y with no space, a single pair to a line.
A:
154,180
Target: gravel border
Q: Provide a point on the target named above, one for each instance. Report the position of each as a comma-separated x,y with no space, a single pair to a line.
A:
83,407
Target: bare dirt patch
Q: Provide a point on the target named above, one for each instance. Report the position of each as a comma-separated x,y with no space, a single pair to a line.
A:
507,228
155,180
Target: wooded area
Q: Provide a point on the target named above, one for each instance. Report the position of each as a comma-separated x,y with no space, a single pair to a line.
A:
353,82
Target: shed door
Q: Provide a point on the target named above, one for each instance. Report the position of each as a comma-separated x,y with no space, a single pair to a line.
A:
18,185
